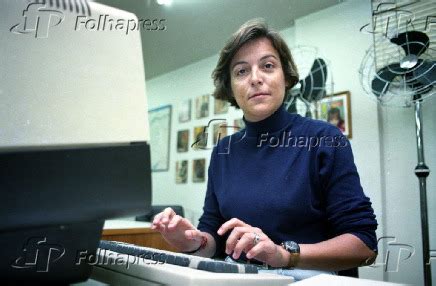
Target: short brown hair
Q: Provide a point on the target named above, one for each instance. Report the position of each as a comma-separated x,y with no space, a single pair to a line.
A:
251,30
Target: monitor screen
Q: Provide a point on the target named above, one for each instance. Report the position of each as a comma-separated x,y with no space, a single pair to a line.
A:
74,138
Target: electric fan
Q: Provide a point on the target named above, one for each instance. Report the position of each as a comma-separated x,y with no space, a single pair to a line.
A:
404,74
313,86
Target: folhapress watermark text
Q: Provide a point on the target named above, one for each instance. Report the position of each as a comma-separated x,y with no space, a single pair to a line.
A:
107,23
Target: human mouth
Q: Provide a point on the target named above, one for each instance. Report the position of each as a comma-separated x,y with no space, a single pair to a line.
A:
258,95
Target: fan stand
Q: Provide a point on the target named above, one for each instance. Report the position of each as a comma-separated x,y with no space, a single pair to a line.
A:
422,172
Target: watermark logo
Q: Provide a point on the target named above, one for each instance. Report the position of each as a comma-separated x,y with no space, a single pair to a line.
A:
108,23
286,139
106,257
396,253
38,254
201,140
38,20
389,16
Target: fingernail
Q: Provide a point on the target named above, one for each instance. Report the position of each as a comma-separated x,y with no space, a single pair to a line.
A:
248,256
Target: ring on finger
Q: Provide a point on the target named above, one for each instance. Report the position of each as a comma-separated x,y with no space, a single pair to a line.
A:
256,238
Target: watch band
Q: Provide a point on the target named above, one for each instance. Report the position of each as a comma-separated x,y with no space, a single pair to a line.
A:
294,250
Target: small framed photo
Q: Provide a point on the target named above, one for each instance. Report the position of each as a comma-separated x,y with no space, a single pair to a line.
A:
336,109
219,132
221,106
202,106
183,140
198,170
181,172
160,131
200,138
185,111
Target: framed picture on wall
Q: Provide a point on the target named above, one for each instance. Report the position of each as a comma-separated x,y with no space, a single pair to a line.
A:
219,132
336,109
160,130
202,106
185,111
183,140
220,106
181,172
200,138
198,170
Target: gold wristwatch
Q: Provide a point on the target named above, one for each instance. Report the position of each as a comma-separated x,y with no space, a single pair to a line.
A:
294,249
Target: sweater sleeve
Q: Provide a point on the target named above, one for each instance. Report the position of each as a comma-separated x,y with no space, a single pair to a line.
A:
211,219
348,209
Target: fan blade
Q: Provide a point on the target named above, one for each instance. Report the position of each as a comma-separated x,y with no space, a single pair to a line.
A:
425,73
384,77
412,42
313,86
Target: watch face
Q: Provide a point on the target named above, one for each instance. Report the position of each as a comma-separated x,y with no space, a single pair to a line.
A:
291,246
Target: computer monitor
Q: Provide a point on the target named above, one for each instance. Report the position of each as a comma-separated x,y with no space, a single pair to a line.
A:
74,138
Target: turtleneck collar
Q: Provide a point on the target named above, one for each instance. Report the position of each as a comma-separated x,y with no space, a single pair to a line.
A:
275,122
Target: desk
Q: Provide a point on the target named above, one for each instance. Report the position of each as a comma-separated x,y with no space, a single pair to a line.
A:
135,232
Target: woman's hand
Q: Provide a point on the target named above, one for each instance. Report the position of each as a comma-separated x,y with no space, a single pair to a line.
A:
177,231
252,241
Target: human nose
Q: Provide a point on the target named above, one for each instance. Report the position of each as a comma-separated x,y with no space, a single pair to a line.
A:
256,77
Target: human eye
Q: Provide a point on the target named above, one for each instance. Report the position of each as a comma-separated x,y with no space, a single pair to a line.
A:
240,71
269,65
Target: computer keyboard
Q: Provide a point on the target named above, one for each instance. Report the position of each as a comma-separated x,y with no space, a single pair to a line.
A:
120,263
180,259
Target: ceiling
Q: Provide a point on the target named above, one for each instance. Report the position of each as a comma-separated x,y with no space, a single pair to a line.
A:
197,29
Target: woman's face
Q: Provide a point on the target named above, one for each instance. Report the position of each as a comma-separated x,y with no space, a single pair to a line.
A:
257,79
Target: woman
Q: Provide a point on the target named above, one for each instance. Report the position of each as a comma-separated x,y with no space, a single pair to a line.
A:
334,117
284,191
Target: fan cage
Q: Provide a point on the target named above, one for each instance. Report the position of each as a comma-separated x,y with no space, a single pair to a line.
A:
390,19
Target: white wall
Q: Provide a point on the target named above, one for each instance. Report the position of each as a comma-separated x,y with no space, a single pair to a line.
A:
383,139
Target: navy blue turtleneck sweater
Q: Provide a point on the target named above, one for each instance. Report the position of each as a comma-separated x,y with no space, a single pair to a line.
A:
292,177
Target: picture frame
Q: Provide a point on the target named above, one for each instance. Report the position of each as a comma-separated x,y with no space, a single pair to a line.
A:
221,106
336,109
199,170
185,111
199,138
181,172
219,132
202,106
160,132
183,140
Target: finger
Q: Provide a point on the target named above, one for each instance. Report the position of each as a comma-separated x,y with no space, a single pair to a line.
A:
245,243
268,248
167,215
234,236
161,219
193,234
232,223
158,217
174,222
156,223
